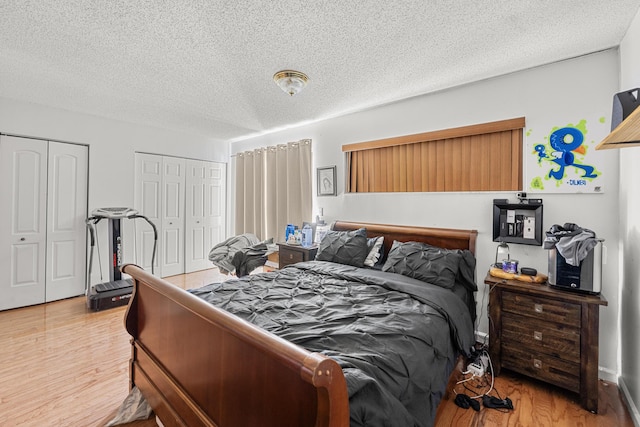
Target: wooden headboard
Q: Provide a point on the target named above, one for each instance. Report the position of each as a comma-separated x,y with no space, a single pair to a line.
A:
447,238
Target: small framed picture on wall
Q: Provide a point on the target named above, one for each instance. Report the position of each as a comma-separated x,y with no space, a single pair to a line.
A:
327,181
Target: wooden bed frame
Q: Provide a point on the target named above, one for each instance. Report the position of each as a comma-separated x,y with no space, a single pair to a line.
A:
197,365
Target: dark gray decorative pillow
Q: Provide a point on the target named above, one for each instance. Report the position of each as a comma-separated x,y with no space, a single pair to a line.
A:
424,262
344,247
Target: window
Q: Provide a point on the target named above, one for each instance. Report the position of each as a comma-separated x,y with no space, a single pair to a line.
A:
484,157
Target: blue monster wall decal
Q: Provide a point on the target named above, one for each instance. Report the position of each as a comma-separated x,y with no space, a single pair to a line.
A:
562,156
541,152
566,141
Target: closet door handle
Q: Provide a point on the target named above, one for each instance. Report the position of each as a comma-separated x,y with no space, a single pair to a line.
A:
22,239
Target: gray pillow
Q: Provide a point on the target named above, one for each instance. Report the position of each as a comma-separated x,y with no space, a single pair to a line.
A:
424,262
344,247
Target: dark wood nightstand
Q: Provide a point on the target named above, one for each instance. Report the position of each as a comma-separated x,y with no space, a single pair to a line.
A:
290,254
546,333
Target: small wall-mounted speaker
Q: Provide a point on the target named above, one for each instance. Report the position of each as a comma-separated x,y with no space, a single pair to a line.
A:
623,104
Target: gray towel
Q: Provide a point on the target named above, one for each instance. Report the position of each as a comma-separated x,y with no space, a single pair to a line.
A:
572,242
221,255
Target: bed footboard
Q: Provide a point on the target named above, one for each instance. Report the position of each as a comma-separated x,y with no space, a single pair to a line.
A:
197,365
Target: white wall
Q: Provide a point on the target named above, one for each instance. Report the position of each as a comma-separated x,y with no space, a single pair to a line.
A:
111,153
630,235
557,93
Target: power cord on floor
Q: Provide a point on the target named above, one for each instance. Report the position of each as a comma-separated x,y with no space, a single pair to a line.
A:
480,374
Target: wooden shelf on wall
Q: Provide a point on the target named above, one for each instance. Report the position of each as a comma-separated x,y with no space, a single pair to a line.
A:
627,134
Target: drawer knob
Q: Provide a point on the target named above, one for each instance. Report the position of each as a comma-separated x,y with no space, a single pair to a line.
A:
537,308
290,256
537,336
537,363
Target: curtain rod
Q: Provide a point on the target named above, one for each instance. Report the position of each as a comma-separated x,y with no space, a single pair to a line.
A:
273,147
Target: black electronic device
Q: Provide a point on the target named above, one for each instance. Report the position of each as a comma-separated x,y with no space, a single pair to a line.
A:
585,277
117,291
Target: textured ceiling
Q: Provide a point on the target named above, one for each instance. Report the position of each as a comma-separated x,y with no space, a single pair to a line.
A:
206,66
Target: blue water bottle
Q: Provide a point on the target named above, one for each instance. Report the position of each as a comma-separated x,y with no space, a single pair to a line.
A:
289,230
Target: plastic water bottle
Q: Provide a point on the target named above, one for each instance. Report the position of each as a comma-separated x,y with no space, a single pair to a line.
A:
289,230
307,238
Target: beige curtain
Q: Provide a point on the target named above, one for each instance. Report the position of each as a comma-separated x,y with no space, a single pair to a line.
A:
249,191
273,189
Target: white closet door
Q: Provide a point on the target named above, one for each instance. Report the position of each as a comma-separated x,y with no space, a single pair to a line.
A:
195,229
173,185
216,202
149,203
23,183
66,215
205,212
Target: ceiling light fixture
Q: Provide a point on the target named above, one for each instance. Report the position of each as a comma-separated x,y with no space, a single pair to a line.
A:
291,81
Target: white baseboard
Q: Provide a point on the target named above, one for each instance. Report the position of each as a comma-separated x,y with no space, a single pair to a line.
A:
482,337
633,409
607,375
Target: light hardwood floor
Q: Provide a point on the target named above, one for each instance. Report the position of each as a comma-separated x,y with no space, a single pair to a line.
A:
64,365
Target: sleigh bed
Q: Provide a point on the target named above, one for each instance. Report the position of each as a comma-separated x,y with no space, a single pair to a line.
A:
314,353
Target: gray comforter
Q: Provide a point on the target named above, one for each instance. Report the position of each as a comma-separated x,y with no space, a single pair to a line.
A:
396,338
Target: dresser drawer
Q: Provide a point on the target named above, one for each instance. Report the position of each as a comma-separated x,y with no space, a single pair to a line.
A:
541,308
537,335
288,256
542,366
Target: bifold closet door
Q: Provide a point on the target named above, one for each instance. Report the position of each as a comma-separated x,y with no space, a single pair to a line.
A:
43,188
173,185
160,188
23,222
66,215
205,212
149,203
186,200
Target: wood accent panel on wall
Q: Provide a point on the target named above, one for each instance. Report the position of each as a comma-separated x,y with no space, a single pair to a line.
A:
486,157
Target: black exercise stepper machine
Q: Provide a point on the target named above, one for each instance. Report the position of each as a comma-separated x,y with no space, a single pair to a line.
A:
117,291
